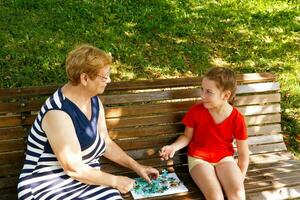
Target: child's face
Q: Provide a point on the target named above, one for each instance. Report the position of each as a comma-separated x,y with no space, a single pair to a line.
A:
211,95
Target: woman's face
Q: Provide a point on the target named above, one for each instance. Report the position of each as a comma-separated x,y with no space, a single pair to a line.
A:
102,79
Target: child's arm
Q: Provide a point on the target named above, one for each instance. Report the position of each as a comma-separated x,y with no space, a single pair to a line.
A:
243,155
182,141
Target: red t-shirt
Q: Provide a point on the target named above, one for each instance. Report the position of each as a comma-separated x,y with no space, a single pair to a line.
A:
211,141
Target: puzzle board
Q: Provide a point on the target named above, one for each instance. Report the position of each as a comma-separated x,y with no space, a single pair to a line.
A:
165,184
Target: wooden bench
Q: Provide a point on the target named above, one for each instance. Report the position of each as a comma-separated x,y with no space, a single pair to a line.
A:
142,116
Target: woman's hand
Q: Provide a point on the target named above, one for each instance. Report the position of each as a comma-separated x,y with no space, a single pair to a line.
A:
124,184
147,172
167,152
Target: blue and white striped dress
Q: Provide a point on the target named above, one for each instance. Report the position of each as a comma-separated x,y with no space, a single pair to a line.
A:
42,177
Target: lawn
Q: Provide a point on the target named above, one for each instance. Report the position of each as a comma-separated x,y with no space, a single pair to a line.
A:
154,39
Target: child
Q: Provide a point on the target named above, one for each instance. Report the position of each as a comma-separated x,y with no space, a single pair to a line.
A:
210,129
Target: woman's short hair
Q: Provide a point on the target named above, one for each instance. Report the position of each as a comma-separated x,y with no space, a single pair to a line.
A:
225,79
85,59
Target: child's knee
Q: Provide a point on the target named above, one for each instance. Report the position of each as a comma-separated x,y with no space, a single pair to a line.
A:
237,193
213,195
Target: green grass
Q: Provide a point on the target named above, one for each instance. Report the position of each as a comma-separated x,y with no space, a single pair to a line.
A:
155,39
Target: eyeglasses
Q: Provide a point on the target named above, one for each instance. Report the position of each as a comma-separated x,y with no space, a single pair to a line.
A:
105,77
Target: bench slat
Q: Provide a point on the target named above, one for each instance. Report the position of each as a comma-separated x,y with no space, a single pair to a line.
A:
258,87
134,85
258,110
18,120
147,109
177,117
181,93
12,145
277,181
150,96
290,191
35,105
11,157
151,130
257,99
256,140
18,132
264,129
12,133
263,119
132,132
278,147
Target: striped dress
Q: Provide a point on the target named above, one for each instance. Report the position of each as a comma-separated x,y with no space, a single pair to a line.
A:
42,177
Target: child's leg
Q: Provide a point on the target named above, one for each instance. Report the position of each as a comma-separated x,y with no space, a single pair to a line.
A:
205,177
231,179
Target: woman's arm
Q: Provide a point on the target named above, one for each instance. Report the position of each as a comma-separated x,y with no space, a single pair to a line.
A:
63,140
116,154
243,155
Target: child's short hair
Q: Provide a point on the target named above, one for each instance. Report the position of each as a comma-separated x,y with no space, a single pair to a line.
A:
86,59
224,78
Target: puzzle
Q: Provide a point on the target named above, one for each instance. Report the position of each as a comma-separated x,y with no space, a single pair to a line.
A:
166,183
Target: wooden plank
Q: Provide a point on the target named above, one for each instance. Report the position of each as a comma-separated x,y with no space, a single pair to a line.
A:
267,148
267,179
258,110
16,120
12,145
256,99
285,166
150,96
9,193
12,133
8,182
27,105
276,181
258,87
35,105
132,132
6,121
146,142
26,91
177,117
255,77
263,119
144,120
181,93
11,157
270,157
146,109
286,192
253,167
265,139
135,85
264,129
9,170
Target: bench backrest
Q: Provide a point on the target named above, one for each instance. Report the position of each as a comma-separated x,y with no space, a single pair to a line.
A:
142,116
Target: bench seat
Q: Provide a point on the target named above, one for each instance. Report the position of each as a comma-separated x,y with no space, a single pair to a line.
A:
142,116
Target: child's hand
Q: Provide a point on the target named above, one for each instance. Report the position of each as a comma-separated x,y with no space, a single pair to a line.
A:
167,152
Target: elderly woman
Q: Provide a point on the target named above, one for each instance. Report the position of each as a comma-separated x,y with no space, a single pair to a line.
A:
69,136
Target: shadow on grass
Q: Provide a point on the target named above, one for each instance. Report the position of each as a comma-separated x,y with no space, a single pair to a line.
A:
149,39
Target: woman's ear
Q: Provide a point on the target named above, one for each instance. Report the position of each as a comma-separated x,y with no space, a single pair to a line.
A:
84,79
